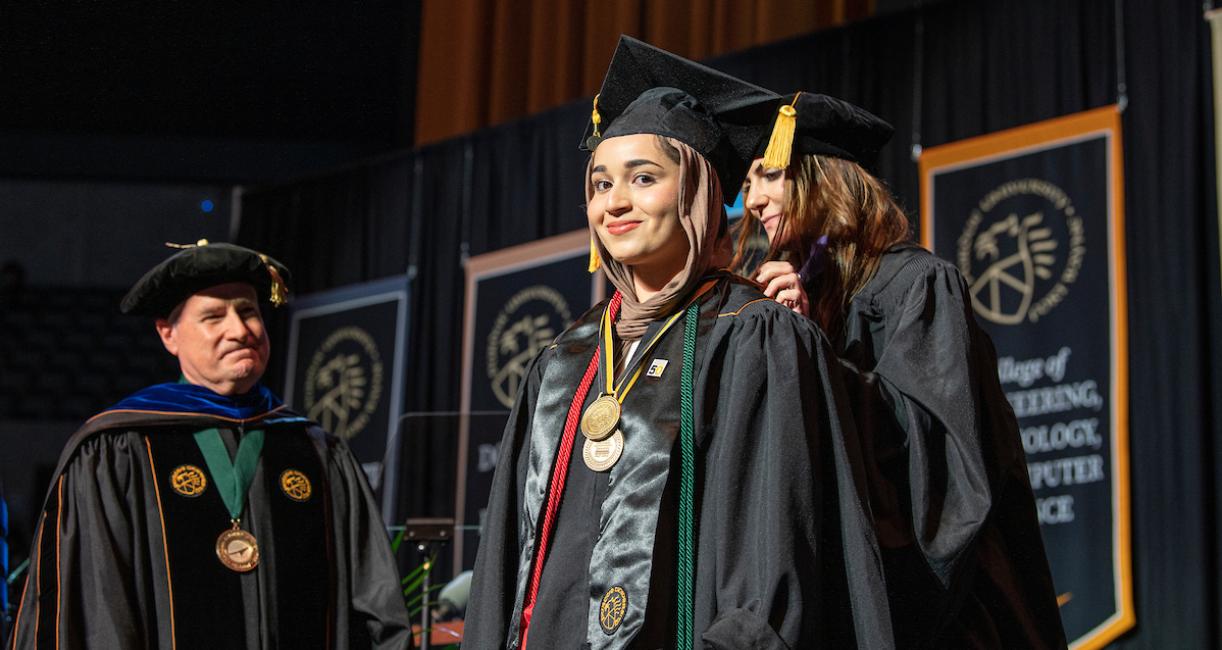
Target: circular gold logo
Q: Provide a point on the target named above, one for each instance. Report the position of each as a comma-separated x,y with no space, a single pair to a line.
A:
1021,250
343,384
296,485
188,480
528,323
611,611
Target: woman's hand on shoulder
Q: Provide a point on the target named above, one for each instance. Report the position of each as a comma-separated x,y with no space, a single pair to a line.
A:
781,283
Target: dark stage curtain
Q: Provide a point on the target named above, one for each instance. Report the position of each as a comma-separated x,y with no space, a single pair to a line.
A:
982,67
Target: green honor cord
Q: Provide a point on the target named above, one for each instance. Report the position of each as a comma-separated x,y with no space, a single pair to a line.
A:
687,482
232,479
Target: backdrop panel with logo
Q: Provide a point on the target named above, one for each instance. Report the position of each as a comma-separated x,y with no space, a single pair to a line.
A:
1033,217
345,367
518,300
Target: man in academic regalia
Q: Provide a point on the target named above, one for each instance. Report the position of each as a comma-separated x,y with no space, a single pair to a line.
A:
677,471
204,513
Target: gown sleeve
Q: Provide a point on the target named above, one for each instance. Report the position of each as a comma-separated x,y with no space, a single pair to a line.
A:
926,375
377,613
787,556
89,585
946,466
494,579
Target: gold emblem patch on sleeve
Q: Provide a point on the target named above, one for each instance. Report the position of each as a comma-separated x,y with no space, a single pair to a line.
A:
611,612
295,485
188,480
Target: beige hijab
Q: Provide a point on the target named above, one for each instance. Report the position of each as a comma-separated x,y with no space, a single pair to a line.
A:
701,215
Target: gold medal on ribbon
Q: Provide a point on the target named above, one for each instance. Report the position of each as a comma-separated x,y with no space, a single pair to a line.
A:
237,549
602,455
601,418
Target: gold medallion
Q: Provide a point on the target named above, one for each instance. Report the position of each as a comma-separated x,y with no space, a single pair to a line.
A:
599,420
237,550
602,455
295,485
188,480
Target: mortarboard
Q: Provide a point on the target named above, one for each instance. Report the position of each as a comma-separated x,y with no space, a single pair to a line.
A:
200,266
810,123
650,90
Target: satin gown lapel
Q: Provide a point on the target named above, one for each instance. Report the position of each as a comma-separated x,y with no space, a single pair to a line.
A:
624,552
560,380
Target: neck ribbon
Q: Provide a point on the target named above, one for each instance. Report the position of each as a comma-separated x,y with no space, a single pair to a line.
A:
232,479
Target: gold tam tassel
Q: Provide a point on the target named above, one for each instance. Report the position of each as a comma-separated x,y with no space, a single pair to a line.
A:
780,144
595,261
280,293
201,242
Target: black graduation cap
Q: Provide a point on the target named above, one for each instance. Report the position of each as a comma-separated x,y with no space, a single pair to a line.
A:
810,123
650,90
200,266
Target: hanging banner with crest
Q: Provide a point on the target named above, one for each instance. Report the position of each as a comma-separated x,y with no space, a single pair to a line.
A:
344,371
1034,219
519,300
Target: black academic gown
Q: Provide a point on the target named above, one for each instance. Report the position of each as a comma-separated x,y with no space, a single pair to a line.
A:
781,561
965,563
123,559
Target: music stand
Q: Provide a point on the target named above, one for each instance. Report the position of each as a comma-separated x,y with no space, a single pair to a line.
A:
429,534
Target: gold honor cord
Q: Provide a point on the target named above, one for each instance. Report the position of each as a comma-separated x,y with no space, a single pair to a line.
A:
599,424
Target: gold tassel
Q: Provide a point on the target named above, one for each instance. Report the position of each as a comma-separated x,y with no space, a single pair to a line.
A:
597,119
595,261
280,293
780,144
202,242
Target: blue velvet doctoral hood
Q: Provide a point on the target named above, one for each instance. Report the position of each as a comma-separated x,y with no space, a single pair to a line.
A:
189,398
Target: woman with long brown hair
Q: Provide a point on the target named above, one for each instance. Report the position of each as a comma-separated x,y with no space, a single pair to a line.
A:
830,217
949,493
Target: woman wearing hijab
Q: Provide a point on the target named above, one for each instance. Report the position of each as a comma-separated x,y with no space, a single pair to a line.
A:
964,562
654,482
